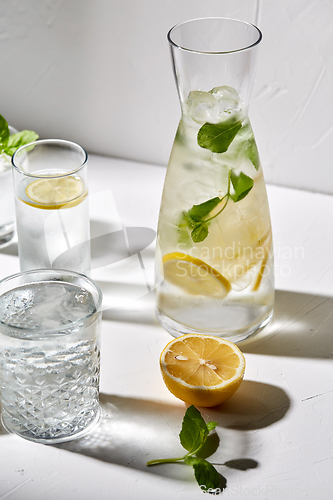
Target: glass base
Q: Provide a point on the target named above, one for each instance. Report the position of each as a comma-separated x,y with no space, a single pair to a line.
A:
49,440
177,329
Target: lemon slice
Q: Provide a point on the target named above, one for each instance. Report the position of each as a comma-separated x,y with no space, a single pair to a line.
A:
263,265
201,369
194,276
53,193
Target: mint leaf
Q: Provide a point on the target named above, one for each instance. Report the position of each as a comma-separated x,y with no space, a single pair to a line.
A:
4,132
205,473
194,430
193,220
242,185
19,139
251,151
186,221
247,145
197,212
217,137
192,436
10,143
211,426
199,233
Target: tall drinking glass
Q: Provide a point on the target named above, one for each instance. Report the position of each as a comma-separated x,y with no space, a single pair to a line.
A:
50,182
214,257
49,354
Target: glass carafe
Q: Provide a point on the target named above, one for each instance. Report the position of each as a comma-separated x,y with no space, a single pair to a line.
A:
214,255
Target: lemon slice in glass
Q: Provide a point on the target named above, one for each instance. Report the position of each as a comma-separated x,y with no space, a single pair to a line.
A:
54,193
194,276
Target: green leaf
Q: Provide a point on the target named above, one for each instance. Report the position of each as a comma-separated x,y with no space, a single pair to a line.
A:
242,185
205,473
19,139
197,212
4,132
200,232
247,145
217,137
186,221
211,425
193,220
193,435
251,151
194,430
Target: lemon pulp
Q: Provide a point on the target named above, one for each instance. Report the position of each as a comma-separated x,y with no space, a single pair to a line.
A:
201,369
55,193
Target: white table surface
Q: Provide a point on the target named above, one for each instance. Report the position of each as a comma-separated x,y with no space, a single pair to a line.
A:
280,419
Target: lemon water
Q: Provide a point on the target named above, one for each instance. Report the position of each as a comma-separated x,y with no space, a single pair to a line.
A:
214,268
53,224
49,360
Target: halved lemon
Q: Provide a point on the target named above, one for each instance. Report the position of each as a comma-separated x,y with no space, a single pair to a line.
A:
52,193
194,276
201,369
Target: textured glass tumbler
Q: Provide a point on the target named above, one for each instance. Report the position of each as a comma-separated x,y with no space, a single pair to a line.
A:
50,182
49,354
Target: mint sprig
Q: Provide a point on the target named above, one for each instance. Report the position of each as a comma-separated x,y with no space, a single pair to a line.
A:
10,143
217,137
193,436
197,218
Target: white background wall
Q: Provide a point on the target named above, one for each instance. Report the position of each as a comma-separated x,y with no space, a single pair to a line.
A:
99,72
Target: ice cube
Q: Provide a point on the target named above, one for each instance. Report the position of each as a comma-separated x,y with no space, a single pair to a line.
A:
202,107
228,98
214,106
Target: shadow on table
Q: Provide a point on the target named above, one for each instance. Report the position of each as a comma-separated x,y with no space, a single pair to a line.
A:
138,310
132,431
10,249
302,326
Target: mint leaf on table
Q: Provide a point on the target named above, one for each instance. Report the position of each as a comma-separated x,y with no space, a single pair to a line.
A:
193,436
194,430
205,473
211,425
217,137
242,185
